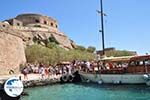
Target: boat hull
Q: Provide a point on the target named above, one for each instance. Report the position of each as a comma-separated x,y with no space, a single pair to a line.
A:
115,78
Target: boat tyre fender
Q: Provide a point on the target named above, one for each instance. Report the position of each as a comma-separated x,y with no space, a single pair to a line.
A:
117,82
64,78
146,77
70,78
100,82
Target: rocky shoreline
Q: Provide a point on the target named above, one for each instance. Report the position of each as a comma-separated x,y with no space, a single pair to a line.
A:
33,80
40,82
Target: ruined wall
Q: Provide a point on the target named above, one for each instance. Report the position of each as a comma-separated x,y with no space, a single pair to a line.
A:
14,22
11,50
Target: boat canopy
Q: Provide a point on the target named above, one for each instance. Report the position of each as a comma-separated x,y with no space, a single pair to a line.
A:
117,59
143,57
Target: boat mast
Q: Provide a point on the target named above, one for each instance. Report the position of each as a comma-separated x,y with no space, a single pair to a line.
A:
102,26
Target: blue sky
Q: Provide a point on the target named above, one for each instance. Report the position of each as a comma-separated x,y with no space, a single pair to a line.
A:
127,24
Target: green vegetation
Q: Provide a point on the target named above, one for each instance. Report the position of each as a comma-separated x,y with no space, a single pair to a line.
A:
80,48
91,49
53,54
37,25
48,51
119,53
52,39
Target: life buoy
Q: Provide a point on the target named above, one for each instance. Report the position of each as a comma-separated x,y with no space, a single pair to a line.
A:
64,78
117,82
70,78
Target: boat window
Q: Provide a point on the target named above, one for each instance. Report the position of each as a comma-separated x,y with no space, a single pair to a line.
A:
141,63
147,62
132,63
137,63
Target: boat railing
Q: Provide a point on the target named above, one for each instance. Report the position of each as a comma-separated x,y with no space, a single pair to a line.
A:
120,70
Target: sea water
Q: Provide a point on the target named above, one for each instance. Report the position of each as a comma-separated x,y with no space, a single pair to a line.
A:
88,92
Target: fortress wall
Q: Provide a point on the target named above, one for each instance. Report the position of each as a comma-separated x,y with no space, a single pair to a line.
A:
22,28
36,29
12,52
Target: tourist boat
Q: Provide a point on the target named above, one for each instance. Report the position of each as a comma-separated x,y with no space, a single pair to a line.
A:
136,71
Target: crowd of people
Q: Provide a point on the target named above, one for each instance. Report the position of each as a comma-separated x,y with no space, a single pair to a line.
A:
66,67
47,71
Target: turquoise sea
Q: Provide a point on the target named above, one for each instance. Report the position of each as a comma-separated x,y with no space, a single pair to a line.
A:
88,92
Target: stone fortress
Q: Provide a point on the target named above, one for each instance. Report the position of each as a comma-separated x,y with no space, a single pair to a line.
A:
36,25
18,32
33,20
